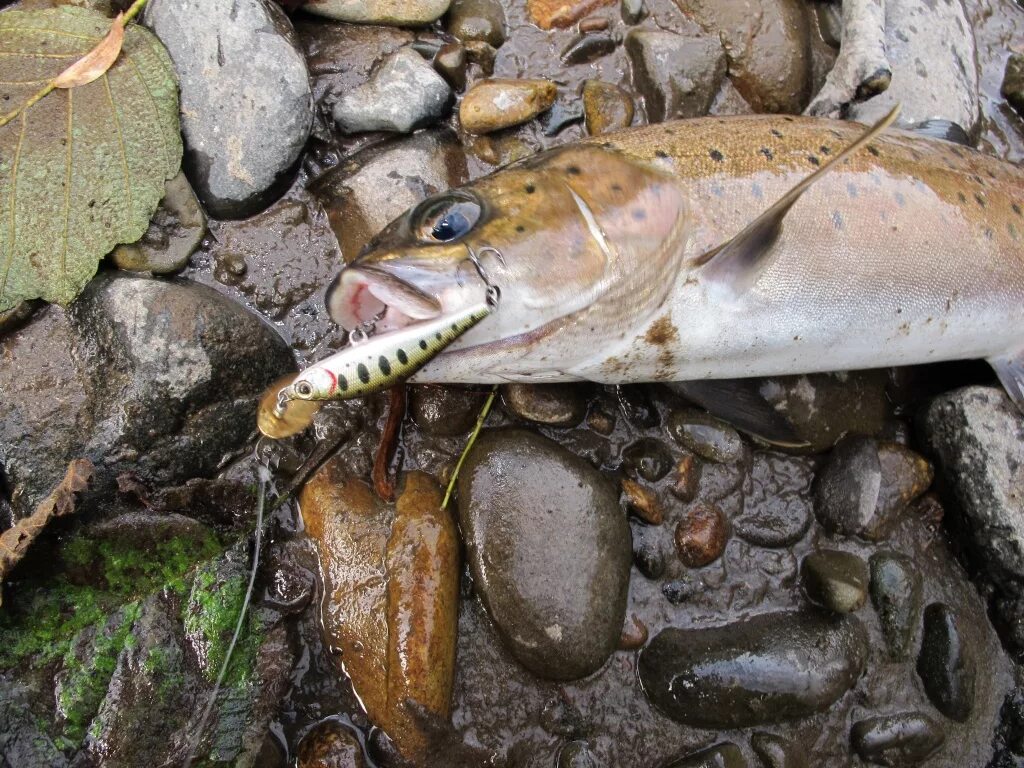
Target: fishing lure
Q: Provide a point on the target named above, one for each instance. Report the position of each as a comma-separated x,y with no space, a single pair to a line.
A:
370,364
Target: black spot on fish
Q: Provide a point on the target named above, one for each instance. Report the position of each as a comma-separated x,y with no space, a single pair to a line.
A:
978,180
788,119
1017,209
455,327
384,365
825,149
530,189
956,151
423,343
813,160
961,197
777,134
851,189
616,187
364,373
980,199
520,228
716,155
661,153
573,170
342,382
900,199
639,214
874,150
438,336
837,220
402,357
767,153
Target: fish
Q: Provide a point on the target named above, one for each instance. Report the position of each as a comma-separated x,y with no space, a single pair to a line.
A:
713,248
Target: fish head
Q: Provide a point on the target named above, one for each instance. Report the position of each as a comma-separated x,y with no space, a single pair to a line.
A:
555,233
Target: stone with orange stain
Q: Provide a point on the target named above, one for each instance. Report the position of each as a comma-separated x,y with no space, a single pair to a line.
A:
562,13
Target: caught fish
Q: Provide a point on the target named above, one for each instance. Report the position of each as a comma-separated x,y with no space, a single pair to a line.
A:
716,248
370,365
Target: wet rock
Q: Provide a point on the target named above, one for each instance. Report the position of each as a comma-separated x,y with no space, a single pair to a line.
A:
585,48
647,458
246,103
606,107
561,717
724,755
481,20
701,535
687,478
576,754
932,53
561,13
835,580
897,597
776,752
451,61
767,669
22,739
634,635
1013,82
865,485
374,186
904,739
549,550
397,12
562,114
636,406
642,502
404,93
649,560
633,11
678,76
177,229
494,104
767,46
445,411
777,508
557,405
330,745
706,436
678,591
594,24
977,435
156,378
946,663
823,407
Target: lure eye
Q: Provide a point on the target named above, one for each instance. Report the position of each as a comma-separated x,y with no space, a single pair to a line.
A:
444,219
304,389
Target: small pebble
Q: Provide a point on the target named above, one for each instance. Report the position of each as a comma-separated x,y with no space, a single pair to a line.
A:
594,24
606,107
647,458
481,20
903,739
494,104
330,745
687,478
706,436
1013,82
649,560
561,13
677,591
450,61
776,752
585,48
701,535
945,663
601,421
642,502
835,580
557,405
633,11
576,754
896,594
634,634
482,54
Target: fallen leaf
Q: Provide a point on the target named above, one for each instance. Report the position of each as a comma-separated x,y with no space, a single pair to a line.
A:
15,541
97,61
82,169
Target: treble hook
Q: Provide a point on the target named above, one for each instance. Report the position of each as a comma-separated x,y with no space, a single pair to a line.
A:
474,258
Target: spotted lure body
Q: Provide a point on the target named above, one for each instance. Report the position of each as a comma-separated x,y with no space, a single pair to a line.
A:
379,362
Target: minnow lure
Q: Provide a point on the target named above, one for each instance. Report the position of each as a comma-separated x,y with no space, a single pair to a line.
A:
370,364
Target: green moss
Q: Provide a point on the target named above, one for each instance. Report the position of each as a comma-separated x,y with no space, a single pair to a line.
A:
211,615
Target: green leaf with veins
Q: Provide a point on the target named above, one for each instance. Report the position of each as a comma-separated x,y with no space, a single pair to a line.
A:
82,169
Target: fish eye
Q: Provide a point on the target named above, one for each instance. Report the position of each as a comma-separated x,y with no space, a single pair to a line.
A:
304,389
445,219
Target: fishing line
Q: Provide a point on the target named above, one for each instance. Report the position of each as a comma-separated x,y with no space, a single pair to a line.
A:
264,475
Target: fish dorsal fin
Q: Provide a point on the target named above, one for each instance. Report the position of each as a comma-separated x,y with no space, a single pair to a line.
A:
737,264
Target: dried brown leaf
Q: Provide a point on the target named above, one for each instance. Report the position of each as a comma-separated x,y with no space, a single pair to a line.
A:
15,541
97,61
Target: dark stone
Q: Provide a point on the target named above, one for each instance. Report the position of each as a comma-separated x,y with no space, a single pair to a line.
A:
835,580
776,752
647,458
636,406
897,597
584,49
330,744
451,61
649,560
677,591
480,20
946,664
445,411
724,755
706,436
1013,82
701,535
901,740
678,76
576,754
549,550
767,669
557,405
777,509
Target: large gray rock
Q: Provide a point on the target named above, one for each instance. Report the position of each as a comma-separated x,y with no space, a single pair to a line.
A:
246,103
768,669
400,12
549,550
678,76
155,378
403,94
977,435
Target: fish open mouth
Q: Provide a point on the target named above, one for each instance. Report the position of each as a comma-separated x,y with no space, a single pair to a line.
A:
368,295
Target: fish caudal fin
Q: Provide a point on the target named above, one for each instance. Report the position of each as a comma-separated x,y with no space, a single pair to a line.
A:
1010,369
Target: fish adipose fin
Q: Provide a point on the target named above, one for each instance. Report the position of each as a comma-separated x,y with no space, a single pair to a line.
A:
737,264
1010,369
740,403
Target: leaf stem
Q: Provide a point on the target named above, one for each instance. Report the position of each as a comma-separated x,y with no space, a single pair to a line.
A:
133,11
469,444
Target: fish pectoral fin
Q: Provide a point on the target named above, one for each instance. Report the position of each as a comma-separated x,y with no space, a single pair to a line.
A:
737,264
1010,369
739,402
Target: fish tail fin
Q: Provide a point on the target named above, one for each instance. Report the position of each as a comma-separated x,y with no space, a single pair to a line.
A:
1010,369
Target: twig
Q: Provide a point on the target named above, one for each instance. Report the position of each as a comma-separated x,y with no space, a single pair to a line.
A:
382,482
469,445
